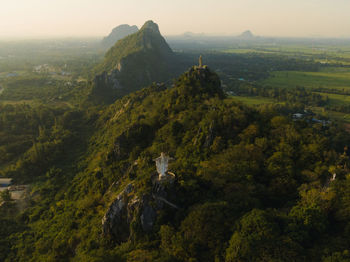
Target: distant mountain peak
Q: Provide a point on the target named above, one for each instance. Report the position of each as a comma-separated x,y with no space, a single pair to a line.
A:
151,25
133,63
124,27
191,34
118,33
247,34
148,37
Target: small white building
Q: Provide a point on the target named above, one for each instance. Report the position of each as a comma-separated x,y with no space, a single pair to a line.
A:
297,116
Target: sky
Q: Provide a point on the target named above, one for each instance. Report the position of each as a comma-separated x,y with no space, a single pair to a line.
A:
81,18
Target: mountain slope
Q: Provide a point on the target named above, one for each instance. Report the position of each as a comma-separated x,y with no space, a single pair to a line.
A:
243,178
118,33
132,63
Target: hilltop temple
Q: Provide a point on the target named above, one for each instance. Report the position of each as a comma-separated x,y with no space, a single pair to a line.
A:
200,61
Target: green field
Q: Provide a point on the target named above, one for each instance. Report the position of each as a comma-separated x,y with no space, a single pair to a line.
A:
330,78
332,115
331,52
247,51
254,100
336,100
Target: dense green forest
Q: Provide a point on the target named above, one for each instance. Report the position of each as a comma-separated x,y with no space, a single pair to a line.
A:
251,184
82,131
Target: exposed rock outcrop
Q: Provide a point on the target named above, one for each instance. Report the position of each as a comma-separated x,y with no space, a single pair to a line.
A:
110,80
117,215
130,209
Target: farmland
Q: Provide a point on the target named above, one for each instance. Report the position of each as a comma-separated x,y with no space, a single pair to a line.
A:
253,100
330,78
323,53
325,89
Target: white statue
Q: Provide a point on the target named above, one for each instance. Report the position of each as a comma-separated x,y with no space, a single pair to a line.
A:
162,165
334,176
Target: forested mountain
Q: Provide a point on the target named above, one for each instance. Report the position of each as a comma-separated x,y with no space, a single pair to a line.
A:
248,184
118,33
132,63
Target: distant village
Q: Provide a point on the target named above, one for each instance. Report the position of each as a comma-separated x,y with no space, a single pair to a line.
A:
46,68
309,116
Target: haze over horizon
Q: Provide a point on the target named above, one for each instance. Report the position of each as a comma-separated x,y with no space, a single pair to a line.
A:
87,18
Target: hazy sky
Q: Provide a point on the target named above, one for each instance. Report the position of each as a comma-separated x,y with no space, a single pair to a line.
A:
48,18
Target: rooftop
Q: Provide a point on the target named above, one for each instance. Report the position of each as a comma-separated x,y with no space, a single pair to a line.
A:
5,181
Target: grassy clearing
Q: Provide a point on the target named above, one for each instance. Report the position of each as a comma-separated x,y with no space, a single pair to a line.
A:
330,78
336,100
323,54
11,74
254,100
338,116
247,51
332,115
342,117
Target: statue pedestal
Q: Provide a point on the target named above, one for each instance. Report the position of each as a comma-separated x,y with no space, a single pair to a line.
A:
160,179
167,177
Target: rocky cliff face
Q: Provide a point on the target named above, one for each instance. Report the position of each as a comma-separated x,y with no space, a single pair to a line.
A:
131,210
116,220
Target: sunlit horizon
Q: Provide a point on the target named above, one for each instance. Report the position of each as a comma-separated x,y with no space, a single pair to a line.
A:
30,19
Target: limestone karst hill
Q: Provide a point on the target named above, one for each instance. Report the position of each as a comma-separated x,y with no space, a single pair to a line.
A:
118,33
133,63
